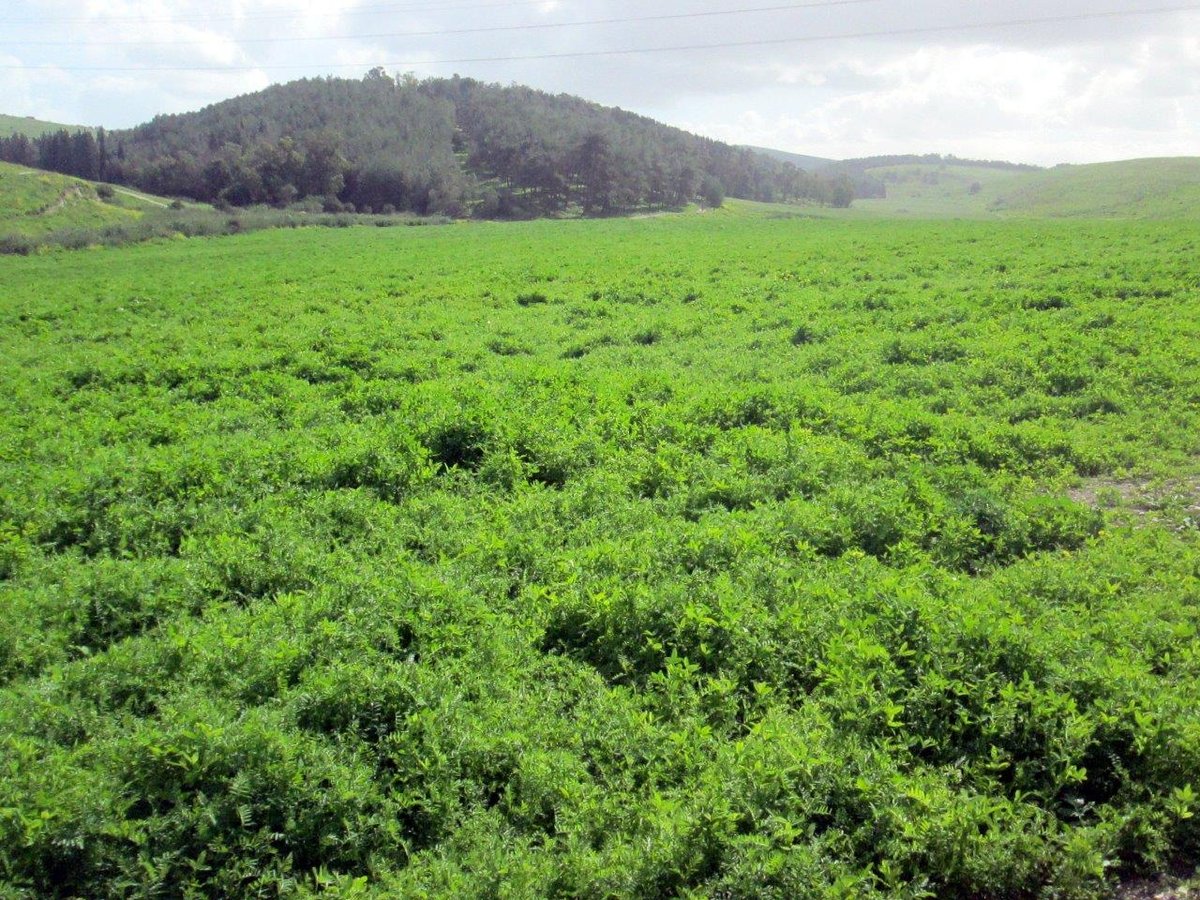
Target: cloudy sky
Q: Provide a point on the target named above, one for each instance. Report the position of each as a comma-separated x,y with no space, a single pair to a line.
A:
1042,81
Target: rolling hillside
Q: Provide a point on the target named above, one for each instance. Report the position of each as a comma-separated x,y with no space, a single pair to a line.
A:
929,190
801,160
31,127
1131,189
35,203
1167,188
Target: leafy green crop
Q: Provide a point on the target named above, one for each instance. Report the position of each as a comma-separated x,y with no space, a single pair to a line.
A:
712,555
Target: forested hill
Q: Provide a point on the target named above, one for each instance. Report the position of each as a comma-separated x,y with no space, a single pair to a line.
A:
454,146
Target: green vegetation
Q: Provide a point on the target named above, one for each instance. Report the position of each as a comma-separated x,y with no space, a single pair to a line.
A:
724,554
31,127
43,210
37,203
1132,189
1139,188
928,191
800,160
450,146
880,177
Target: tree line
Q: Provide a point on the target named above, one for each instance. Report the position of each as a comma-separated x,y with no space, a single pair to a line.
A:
78,153
454,146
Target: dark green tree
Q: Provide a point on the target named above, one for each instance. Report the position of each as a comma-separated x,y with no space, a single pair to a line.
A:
712,193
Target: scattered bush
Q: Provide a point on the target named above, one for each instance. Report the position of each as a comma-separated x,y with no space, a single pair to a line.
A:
17,245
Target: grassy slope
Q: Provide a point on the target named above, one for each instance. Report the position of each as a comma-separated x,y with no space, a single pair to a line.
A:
32,127
932,191
1133,189
801,160
720,555
1140,188
34,203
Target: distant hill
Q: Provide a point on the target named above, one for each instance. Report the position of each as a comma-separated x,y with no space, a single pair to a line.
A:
869,174
1143,188
1167,188
28,125
442,145
800,160
870,163
462,147
935,190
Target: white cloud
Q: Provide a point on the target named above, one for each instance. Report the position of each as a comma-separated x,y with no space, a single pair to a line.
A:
1068,91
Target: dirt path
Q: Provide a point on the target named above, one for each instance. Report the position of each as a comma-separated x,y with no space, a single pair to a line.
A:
141,197
127,193
72,193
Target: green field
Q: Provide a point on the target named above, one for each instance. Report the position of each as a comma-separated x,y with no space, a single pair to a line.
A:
715,555
31,127
1132,189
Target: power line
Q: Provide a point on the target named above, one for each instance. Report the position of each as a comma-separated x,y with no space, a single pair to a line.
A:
722,45
361,10
475,30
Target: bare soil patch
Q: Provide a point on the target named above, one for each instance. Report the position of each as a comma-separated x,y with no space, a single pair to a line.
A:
67,196
1175,499
1163,887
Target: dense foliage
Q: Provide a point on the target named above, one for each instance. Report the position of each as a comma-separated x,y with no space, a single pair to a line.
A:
710,555
438,146
78,153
